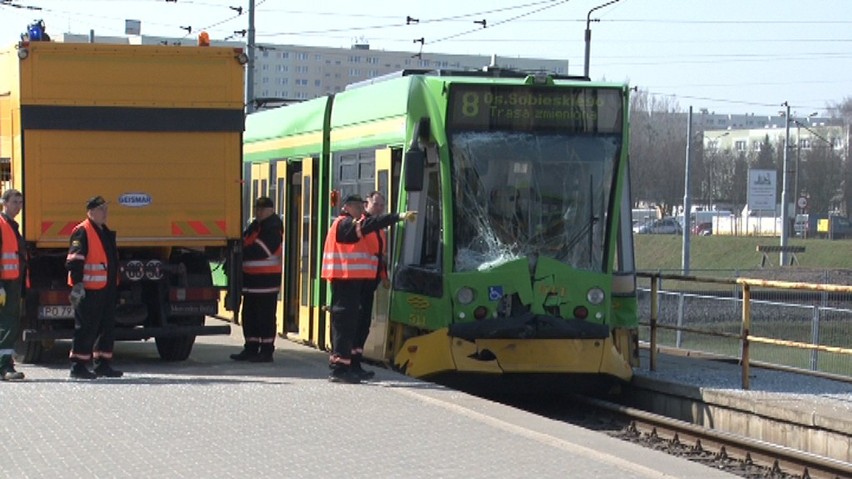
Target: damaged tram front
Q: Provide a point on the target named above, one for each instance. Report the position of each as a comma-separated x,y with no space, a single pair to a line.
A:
538,253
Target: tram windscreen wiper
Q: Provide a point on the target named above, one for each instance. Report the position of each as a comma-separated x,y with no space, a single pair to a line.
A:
585,231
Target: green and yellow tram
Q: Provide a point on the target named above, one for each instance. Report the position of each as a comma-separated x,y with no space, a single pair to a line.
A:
521,258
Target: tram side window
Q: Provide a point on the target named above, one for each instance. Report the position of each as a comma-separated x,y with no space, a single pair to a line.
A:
431,251
5,173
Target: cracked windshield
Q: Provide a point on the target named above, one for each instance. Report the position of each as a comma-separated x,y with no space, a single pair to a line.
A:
520,193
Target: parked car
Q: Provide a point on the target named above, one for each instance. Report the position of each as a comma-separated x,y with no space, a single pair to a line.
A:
703,229
665,226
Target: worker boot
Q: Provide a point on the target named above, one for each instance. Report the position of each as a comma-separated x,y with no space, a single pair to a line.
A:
249,351
103,369
7,369
343,374
362,373
265,354
80,371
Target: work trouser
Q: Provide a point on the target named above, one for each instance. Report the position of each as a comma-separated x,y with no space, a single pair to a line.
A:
365,317
10,317
94,326
258,317
345,313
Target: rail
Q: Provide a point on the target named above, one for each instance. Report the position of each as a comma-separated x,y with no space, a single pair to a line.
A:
745,337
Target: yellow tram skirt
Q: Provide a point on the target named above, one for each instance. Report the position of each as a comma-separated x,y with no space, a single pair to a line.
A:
438,352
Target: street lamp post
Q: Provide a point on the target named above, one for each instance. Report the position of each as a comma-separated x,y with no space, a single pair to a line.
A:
785,224
589,36
687,202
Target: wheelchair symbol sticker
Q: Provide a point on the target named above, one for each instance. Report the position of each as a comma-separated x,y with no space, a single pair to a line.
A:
495,293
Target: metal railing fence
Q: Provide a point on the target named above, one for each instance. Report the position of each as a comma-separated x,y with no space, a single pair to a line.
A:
803,325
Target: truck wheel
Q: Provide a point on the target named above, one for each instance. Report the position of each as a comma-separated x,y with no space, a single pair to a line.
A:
198,274
29,351
179,347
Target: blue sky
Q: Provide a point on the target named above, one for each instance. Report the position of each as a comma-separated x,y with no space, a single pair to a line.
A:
730,56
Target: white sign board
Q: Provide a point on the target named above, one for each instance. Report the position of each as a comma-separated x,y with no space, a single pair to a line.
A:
132,27
761,190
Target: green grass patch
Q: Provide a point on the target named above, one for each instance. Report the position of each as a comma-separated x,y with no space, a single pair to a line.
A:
664,252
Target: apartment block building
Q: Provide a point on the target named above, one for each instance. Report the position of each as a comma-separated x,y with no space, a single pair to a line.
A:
287,73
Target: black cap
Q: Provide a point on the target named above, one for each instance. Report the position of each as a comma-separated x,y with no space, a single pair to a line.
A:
94,202
353,199
264,202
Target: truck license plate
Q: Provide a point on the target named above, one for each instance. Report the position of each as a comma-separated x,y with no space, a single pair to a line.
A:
55,312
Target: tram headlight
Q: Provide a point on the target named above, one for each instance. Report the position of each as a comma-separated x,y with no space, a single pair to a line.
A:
595,296
465,295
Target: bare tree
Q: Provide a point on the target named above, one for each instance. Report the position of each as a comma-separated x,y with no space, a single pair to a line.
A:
843,109
657,149
820,180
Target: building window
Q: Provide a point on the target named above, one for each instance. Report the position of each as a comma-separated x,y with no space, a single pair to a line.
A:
285,54
805,143
318,57
740,145
302,69
317,83
757,146
836,143
354,59
302,56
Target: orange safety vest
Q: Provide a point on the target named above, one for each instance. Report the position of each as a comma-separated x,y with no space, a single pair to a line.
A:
347,260
272,264
95,262
373,245
10,259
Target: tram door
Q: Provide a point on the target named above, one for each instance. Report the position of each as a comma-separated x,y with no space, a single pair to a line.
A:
287,201
309,330
385,183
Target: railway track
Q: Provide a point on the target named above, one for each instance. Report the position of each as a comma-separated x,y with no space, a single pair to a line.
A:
738,454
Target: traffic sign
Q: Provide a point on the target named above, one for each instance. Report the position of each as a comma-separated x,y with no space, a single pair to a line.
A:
802,202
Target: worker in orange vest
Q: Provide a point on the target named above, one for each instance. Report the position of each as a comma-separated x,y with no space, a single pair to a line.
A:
262,265
350,267
378,245
92,264
13,264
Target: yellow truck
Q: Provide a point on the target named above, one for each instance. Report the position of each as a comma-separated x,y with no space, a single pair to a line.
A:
157,131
